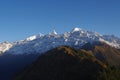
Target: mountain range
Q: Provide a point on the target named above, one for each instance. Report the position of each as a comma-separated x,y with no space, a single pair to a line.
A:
41,43
53,51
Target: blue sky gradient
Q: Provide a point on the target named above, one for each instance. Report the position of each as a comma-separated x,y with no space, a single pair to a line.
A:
22,18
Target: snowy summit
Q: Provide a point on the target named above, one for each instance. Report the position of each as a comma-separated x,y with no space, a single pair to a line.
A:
54,32
76,29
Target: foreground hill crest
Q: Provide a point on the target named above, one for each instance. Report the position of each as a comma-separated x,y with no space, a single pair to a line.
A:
66,63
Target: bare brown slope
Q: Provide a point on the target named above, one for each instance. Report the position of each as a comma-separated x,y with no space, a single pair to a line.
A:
104,52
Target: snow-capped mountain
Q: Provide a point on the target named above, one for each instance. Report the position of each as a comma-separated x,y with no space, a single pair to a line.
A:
41,43
5,46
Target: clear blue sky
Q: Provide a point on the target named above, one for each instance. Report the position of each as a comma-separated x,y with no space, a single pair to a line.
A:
22,18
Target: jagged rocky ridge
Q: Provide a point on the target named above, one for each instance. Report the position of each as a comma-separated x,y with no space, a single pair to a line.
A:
42,43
